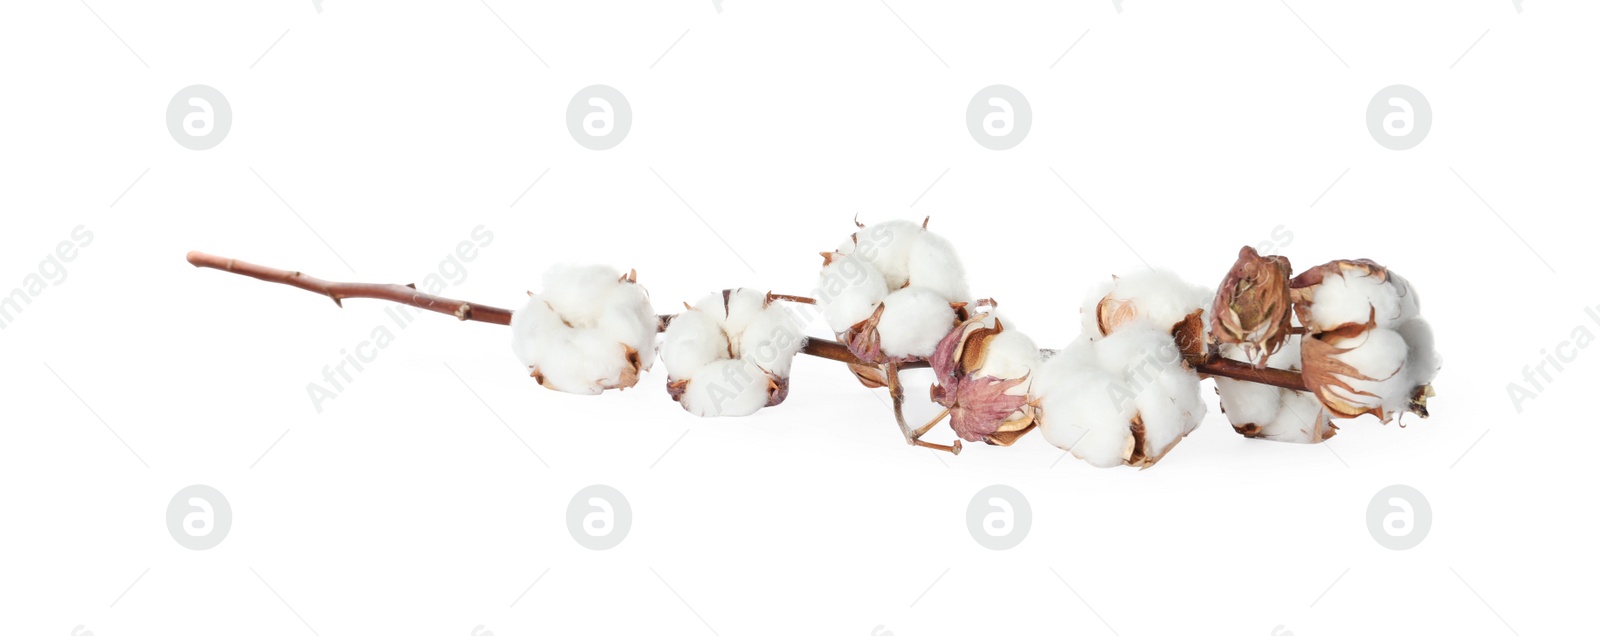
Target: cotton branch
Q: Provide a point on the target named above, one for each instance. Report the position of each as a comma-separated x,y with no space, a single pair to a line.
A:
464,310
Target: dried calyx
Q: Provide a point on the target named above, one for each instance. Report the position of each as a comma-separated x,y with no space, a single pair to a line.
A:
1252,308
982,374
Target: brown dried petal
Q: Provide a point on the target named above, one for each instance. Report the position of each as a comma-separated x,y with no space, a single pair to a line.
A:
1112,313
1324,372
676,388
1189,334
630,373
862,339
777,389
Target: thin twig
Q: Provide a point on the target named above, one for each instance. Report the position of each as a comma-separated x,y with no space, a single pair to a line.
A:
403,294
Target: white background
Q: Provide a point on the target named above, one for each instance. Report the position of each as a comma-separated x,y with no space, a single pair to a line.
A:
406,506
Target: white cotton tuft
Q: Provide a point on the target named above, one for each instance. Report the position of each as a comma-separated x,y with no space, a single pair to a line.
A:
850,290
933,264
692,340
887,246
1076,416
731,388
580,293
1159,297
1357,295
914,320
1379,354
1090,394
587,331
733,310
1423,361
1010,355
772,339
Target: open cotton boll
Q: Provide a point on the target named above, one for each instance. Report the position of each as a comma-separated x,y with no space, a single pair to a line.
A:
772,339
692,340
1122,399
932,263
914,320
732,388
736,333
591,329
1157,296
850,290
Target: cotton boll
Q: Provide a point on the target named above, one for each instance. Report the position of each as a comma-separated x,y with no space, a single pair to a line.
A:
590,330
850,291
1118,400
772,339
692,340
932,263
731,388
914,320
1157,296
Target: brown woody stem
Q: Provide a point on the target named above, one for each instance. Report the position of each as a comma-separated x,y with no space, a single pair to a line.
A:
1236,370
403,294
464,310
